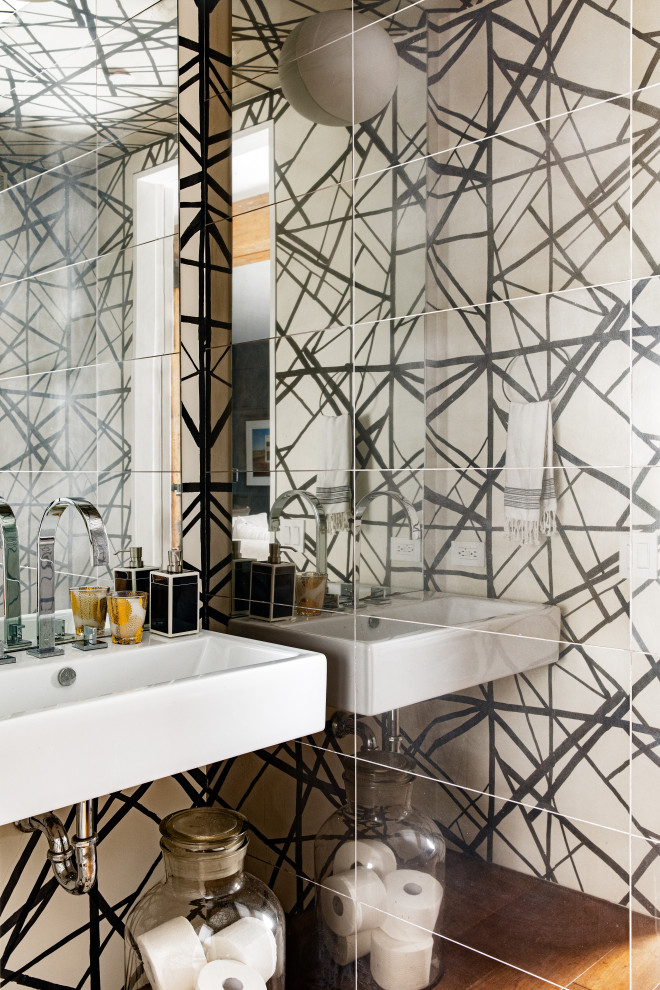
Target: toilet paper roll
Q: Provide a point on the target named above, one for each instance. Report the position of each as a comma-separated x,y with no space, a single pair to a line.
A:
228,974
247,941
345,949
172,955
350,901
413,898
400,965
371,853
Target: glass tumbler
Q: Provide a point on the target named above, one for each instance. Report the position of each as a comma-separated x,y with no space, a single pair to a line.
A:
89,605
310,592
128,611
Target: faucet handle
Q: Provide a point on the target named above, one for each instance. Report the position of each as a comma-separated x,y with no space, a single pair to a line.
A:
5,657
90,640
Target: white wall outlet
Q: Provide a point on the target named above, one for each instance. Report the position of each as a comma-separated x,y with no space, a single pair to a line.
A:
401,549
292,534
468,553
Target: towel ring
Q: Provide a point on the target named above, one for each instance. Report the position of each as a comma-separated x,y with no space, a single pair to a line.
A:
562,378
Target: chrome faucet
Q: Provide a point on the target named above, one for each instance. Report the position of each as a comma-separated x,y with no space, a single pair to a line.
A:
321,522
11,576
361,507
98,539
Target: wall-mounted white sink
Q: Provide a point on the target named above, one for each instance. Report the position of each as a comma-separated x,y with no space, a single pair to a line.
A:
136,713
419,647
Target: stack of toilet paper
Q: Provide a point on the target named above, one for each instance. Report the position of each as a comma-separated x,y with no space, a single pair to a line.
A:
175,957
372,908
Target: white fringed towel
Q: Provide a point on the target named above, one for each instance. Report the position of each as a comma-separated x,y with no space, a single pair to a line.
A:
530,503
333,484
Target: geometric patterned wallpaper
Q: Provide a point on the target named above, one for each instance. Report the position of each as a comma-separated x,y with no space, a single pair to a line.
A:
498,229
71,371
523,212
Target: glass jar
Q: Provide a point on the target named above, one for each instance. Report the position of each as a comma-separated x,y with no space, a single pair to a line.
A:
208,925
381,865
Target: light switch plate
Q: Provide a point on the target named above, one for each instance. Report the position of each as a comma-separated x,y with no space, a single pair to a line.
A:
642,559
292,534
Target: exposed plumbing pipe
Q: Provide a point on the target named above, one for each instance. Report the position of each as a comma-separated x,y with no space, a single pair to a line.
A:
346,724
73,861
391,731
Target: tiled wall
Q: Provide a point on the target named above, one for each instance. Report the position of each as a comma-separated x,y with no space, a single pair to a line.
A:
515,221
71,378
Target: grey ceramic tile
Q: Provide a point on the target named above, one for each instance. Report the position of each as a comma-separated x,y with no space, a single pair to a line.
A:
645,245
50,221
470,51
390,243
136,301
47,321
313,380
390,386
137,188
558,217
643,558
645,335
137,417
571,348
576,568
645,70
313,263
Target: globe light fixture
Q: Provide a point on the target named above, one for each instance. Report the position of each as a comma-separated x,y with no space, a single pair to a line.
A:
316,68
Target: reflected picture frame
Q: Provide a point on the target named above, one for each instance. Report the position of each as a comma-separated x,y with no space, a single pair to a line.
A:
257,452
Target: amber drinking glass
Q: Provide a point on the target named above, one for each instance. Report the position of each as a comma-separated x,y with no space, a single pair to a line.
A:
310,592
128,611
89,605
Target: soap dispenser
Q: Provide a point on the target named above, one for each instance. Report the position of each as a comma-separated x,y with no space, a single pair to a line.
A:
272,587
174,599
134,577
240,580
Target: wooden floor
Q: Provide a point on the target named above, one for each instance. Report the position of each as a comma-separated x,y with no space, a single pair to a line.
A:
534,928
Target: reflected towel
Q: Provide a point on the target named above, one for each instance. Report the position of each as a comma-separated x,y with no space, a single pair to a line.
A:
530,503
333,484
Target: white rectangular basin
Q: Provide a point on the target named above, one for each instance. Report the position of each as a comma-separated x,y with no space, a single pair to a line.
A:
137,713
419,646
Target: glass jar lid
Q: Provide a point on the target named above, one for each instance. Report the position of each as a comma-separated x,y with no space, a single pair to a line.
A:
204,830
379,767
204,843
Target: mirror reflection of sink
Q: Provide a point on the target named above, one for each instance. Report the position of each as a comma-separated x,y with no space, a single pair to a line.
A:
137,713
418,647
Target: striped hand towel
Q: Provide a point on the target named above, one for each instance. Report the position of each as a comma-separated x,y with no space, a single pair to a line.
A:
333,484
530,503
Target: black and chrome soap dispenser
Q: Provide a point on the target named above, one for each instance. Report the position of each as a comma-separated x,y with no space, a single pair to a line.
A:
135,576
272,587
240,580
174,599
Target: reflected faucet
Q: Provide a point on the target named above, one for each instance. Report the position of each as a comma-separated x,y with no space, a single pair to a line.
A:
11,574
98,539
361,507
321,523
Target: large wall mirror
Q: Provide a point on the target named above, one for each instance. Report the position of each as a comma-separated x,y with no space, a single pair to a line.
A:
89,307
329,258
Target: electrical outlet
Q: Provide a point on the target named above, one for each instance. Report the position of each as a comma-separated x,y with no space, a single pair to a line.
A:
408,550
466,553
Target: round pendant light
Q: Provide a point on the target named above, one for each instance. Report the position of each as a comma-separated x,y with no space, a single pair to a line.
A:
316,68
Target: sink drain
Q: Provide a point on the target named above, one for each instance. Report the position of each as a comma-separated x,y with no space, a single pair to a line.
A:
66,676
